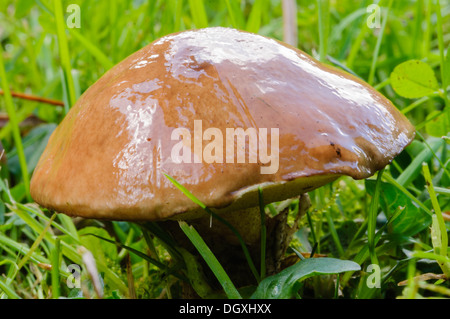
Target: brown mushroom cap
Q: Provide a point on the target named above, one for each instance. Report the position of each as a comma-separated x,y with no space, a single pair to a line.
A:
108,157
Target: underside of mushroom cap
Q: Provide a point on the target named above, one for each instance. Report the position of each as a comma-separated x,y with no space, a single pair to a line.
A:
108,157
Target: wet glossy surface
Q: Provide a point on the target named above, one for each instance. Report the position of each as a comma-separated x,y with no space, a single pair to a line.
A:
109,155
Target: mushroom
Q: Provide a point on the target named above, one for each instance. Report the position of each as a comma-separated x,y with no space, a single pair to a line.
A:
167,108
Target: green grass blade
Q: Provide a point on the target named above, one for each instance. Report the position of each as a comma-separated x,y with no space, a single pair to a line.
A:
324,24
22,249
415,104
334,233
15,125
209,211
186,192
178,15
417,33
439,29
35,244
198,13
67,250
35,211
64,53
414,168
394,182
430,255
143,256
364,252
376,52
211,260
8,290
441,230
55,257
255,16
68,226
92,49
357,44
235,13
373,212
442,190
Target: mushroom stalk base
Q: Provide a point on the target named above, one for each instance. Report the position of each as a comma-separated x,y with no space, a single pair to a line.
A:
226,246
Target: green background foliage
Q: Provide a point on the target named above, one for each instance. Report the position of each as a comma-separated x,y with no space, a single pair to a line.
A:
399,47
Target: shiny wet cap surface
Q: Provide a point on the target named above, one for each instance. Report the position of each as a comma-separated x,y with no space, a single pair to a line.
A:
108,157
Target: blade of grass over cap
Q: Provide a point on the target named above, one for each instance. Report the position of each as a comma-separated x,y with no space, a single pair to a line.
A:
211,260
209,211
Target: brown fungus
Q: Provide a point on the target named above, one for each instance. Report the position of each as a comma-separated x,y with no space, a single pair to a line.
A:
108,157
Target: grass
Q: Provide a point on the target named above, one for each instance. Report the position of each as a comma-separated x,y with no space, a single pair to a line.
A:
396,220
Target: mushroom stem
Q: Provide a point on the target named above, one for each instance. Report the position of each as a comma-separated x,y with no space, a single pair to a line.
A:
226,247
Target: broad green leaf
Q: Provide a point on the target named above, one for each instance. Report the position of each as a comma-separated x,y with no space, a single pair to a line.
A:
414,79
411,220
282,285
